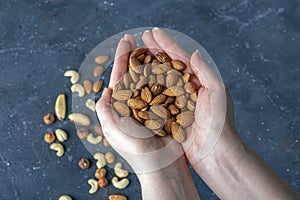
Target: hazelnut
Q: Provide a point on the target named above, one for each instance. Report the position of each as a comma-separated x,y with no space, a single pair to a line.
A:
82,133
102,182
49,137
109,157
105,143
84,163
100,172
98,129
49,119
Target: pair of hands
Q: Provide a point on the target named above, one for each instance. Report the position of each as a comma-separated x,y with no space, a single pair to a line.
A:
161,157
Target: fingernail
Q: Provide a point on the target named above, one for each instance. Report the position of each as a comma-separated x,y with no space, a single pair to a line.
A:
155,29
104,91
198,53
146,31
122,39
125,36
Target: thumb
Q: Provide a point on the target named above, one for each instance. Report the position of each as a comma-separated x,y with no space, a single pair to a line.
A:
206,75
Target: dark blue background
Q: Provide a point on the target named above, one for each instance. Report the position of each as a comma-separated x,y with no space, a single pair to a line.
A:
254,43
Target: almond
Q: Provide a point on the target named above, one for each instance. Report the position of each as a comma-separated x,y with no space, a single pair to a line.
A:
135,93
160,69
137,52
137,103
127,80
122,95
180,82
98,71
87,84
170,100
190,87
155,62
178,65
141,58
174,91
101,59
97,86
152,80
173,109
147,115
147,70
121,108
147,59
185,118
168,64
146,95
160,132
118,86
156,89
168,124
132,86
142,82
134,75
194,96
162,57
160,78
134,62
160,111
158,99
181,101
138,69
191,105
136,116
177,132
153,124
186,77
172,78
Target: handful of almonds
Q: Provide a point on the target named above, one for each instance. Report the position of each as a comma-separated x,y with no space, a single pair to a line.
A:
157,94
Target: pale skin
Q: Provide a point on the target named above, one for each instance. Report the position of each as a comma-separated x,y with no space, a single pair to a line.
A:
231,169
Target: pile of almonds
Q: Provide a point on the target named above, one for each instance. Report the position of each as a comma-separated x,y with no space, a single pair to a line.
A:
157,94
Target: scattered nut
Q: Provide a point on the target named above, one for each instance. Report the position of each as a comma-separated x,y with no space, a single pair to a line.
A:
98,71
117,197
87,84
94,140
94,186
82,133
84,163
121,173
101,59
90,104
105,143
100,172
49,137
65,197
97,86
49,119
109,157
102,182
123,183
79,119
59,148
98,129
73,74
79,89
61,135
60,107
101,162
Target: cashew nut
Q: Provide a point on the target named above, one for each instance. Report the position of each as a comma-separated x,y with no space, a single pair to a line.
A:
94,140
121,173
90,104
65,197
123,183
59,148
94,186
79,89
61,135
73,74
101,162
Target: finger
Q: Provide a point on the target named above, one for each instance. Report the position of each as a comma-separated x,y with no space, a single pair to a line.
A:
130,39
207,77
105,115
150,42
175,51
171,47
120,63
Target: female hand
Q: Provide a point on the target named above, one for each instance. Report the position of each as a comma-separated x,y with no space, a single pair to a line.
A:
159,162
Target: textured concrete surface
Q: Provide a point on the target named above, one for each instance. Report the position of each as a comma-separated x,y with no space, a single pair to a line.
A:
254,43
